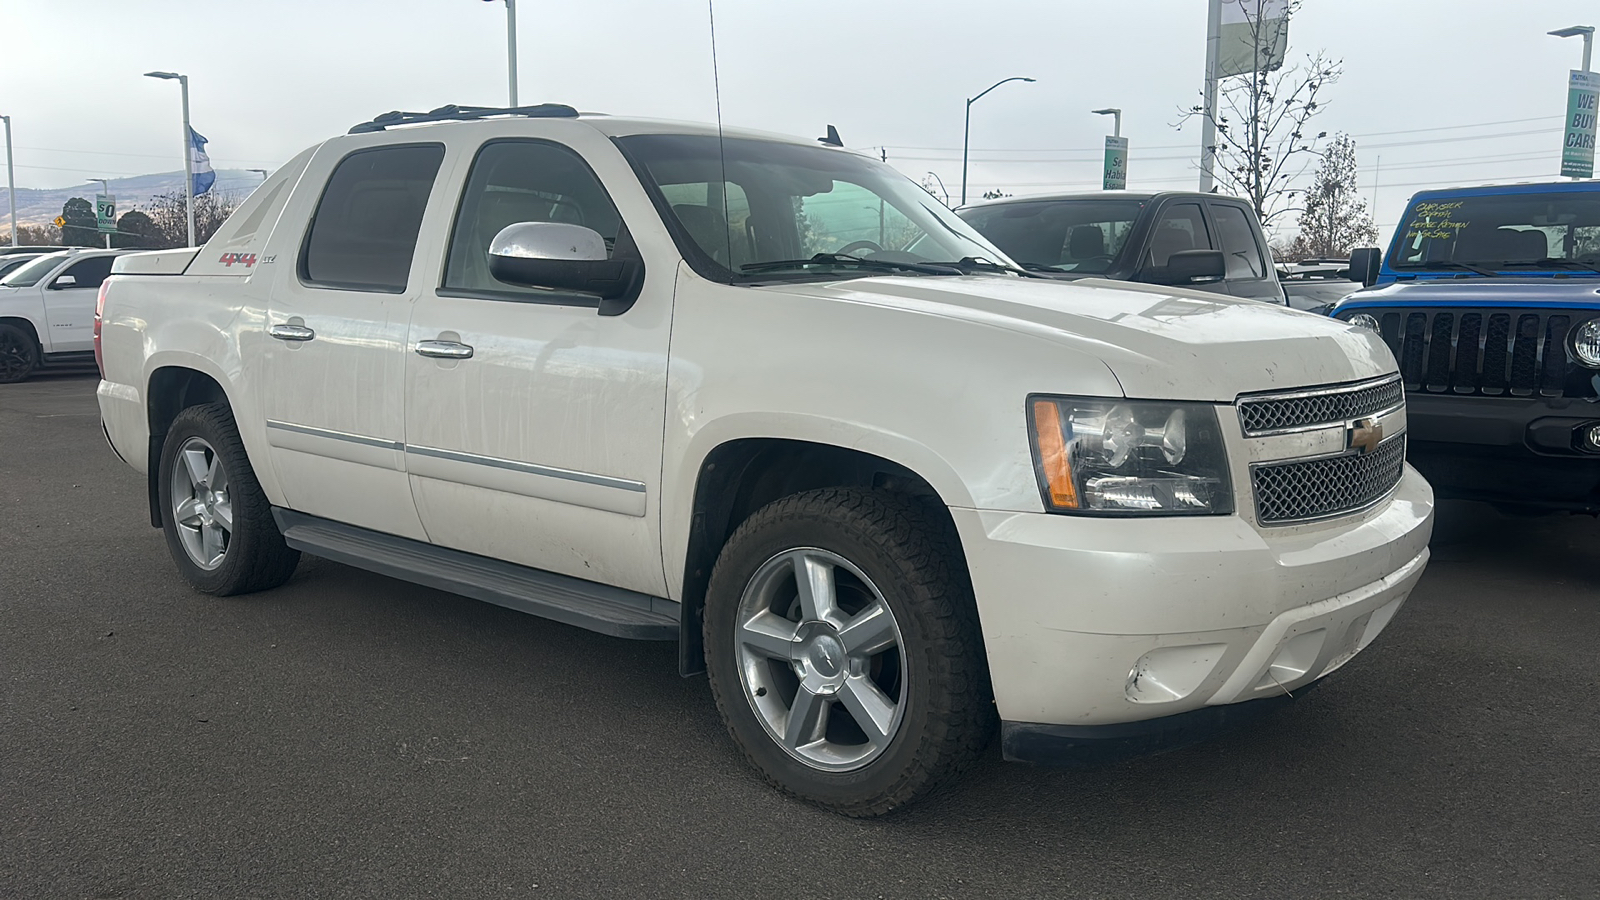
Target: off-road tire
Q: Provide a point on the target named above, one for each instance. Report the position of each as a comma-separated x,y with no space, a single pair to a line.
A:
257,557
910,552
19,354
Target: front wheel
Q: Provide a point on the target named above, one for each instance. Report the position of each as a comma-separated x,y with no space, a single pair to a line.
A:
844,652
217,521
19,354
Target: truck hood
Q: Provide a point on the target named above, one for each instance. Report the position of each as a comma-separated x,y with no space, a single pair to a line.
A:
1583,290
1160,343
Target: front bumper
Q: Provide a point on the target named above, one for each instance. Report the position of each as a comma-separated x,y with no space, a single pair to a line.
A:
1097,622
1529,452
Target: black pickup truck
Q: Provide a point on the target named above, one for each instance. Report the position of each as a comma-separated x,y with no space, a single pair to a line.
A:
1208,242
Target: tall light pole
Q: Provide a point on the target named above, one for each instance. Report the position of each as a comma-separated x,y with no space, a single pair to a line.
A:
966,133
105,190
511,47
1116,128
11,183
1208,117
188,146
1586,32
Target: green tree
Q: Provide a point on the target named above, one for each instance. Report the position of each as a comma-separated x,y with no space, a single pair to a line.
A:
134,229
80,230
1335,220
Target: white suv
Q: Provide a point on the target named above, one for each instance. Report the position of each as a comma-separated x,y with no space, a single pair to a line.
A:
771,401
47,311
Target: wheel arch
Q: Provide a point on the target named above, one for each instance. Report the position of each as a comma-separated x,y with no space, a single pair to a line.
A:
742,475
26,324
169,390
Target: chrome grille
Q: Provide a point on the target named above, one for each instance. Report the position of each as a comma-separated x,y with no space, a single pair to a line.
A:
1320,488
1269,413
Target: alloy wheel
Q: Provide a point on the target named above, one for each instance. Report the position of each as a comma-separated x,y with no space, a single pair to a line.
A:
821,659
201,506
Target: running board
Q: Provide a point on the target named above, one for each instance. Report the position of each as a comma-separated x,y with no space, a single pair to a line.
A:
562,598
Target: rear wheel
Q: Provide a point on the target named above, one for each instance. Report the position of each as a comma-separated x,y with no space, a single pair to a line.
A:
217,521
19,354
844,652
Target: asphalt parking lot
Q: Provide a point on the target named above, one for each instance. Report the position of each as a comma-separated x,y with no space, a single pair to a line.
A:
350,735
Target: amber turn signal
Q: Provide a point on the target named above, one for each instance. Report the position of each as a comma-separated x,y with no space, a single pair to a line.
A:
1053,454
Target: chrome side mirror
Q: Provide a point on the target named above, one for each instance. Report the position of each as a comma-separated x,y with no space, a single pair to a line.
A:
569,258
548,240
65,281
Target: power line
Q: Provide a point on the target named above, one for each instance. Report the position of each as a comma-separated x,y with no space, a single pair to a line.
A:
1186,146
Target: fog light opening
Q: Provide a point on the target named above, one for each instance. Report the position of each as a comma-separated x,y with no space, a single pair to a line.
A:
1591,438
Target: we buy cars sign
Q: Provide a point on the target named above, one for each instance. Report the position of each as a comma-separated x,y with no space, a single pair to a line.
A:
1577,150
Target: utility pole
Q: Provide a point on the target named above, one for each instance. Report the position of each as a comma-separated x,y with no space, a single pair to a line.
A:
11,182
1208,123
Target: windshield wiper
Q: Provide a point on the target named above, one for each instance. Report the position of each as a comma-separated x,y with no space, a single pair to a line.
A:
969,264
1552,262
1452,264
845,259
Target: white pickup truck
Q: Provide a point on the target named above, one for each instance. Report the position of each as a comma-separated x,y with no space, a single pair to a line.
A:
770,400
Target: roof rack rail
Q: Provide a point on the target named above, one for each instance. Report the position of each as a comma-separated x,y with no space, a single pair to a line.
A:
453,113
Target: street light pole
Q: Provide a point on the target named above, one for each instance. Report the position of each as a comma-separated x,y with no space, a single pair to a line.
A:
1208,118
966,133
1116,127
1587,32
11,183
511,47
188,146
105,191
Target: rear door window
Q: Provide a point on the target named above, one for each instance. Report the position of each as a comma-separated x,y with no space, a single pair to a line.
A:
364,232
1238,243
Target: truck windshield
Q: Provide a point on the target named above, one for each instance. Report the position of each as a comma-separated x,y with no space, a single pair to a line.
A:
768,209
1082,236
1552,230
29,275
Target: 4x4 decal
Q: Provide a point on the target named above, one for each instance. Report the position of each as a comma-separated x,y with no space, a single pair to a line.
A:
244,259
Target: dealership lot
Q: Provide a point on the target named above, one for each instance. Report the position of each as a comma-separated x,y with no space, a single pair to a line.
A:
350,734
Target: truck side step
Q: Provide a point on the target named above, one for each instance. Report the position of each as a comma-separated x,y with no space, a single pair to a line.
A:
573,601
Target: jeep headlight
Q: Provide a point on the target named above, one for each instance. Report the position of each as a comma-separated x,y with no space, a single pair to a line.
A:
1586,343
1129,457
1362,320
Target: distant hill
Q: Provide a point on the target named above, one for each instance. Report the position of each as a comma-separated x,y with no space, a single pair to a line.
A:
40,207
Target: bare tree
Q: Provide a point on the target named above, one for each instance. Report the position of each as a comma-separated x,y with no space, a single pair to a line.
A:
169,222
1335,219
1264,141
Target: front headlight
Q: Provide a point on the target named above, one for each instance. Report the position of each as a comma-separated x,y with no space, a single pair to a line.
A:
1586,343
1362,320
1129,457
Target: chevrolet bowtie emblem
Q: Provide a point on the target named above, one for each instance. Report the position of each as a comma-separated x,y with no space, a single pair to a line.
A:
1365,434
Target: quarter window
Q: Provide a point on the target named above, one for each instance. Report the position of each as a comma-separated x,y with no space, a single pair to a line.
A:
522,181
1181,227
364,233
1238,244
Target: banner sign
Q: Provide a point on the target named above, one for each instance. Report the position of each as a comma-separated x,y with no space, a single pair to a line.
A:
105,213
1577,151
1255,36
1116,173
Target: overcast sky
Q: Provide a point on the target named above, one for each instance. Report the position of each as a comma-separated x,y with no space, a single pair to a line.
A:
1444,91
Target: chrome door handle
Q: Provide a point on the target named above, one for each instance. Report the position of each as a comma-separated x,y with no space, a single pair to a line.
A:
444,349
291,332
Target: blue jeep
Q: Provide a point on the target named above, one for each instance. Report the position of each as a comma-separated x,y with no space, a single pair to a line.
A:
1490,299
